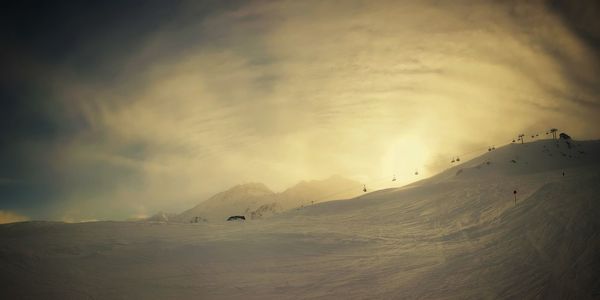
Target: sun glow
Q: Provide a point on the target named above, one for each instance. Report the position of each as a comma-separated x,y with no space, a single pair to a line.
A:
406,156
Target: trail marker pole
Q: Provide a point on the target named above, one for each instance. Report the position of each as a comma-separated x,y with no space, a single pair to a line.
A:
515,193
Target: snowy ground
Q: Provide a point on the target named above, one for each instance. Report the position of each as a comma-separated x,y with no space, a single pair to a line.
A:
456,235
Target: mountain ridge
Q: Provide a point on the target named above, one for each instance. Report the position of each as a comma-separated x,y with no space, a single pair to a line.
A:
256,200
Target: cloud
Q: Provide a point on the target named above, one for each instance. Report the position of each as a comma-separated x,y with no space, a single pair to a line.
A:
278,92
10,217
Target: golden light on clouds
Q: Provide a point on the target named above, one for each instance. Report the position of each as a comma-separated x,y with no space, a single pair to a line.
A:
10,217
278,92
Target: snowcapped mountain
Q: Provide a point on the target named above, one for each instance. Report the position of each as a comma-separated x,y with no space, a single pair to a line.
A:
160,216
310,192
255,200
235,201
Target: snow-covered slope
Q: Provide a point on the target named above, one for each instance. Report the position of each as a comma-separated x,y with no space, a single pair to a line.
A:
457,235
528,158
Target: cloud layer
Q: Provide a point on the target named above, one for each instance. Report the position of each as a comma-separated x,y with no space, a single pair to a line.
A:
214,95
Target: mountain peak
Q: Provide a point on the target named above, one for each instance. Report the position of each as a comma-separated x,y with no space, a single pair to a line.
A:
251,188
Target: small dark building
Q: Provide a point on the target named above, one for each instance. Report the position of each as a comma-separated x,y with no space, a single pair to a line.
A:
234,218
564,136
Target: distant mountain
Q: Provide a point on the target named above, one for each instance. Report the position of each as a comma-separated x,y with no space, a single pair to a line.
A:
314,191
235,201
160,217
255,200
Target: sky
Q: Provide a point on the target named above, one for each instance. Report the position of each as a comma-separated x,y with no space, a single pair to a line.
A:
119,109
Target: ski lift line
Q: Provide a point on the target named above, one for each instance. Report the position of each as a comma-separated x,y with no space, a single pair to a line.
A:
373,183
382,179
386,179
483,150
